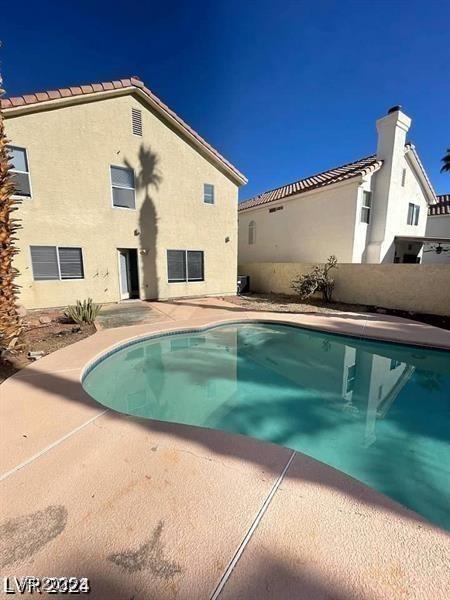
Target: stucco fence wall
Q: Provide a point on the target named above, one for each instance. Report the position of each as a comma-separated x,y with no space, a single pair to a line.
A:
417,288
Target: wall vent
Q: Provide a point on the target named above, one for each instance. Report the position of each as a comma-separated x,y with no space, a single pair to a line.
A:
136,121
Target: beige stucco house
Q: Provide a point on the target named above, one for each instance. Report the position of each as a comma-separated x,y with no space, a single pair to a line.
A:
120,198
372,210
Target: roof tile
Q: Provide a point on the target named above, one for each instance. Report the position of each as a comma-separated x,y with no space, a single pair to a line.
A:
42,96
442,207
363,166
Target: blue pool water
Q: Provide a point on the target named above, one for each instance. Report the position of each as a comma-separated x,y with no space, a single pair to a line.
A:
376,411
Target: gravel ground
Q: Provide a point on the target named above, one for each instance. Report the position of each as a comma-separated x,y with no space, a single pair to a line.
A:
291,304
52,334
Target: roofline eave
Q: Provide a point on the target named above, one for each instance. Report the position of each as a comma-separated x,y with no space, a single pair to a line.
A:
148,98
358,179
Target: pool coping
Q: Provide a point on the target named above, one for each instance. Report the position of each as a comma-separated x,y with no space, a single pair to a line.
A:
90,351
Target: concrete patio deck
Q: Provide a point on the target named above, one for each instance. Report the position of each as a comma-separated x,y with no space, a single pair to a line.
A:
147,509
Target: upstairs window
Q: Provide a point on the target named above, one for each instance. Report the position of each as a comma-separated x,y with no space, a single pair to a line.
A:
123,192
208,193
136,121
413,214
251,232
20,171
54,262
366,207
185,265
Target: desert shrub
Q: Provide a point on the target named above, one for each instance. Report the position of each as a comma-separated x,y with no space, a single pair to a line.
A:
318,280
83,312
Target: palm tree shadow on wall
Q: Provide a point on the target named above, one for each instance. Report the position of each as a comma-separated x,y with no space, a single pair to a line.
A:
148,177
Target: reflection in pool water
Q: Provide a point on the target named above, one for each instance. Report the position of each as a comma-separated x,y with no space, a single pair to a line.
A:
377,411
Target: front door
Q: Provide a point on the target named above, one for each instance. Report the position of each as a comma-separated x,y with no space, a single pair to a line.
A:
124,274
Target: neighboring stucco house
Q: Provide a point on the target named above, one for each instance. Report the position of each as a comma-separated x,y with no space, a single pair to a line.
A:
120,198
438,228
366,211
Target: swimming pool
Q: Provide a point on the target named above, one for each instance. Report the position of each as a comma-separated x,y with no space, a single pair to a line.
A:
376,411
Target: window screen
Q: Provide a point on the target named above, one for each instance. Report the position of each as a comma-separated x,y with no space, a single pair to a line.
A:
185,265
122,181
208,193
195,265
45,262
176,265
19,170
71,263
52,262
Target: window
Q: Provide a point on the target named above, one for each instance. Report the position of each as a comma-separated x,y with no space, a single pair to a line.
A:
122,181
275,209
208,193
251,232
136,121
413,214
185,265
54,262
366,206
20,172
403,177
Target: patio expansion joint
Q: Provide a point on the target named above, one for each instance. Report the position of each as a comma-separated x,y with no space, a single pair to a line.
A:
54,444
256,521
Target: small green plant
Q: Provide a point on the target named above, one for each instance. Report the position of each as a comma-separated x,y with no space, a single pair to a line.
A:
318,280
83,312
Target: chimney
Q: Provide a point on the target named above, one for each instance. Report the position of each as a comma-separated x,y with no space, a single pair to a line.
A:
392,130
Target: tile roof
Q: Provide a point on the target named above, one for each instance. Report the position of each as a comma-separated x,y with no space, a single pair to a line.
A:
442,207
362,166
7,104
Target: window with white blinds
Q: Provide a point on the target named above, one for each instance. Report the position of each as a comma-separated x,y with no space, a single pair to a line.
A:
136,121
71,263
20,172
53,262
123,191
185,265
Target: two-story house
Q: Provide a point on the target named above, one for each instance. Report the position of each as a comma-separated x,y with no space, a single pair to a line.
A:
372,210
120,198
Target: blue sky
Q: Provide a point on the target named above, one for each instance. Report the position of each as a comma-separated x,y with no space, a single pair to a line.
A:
282,89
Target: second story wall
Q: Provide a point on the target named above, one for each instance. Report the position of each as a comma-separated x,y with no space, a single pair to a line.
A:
70,151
